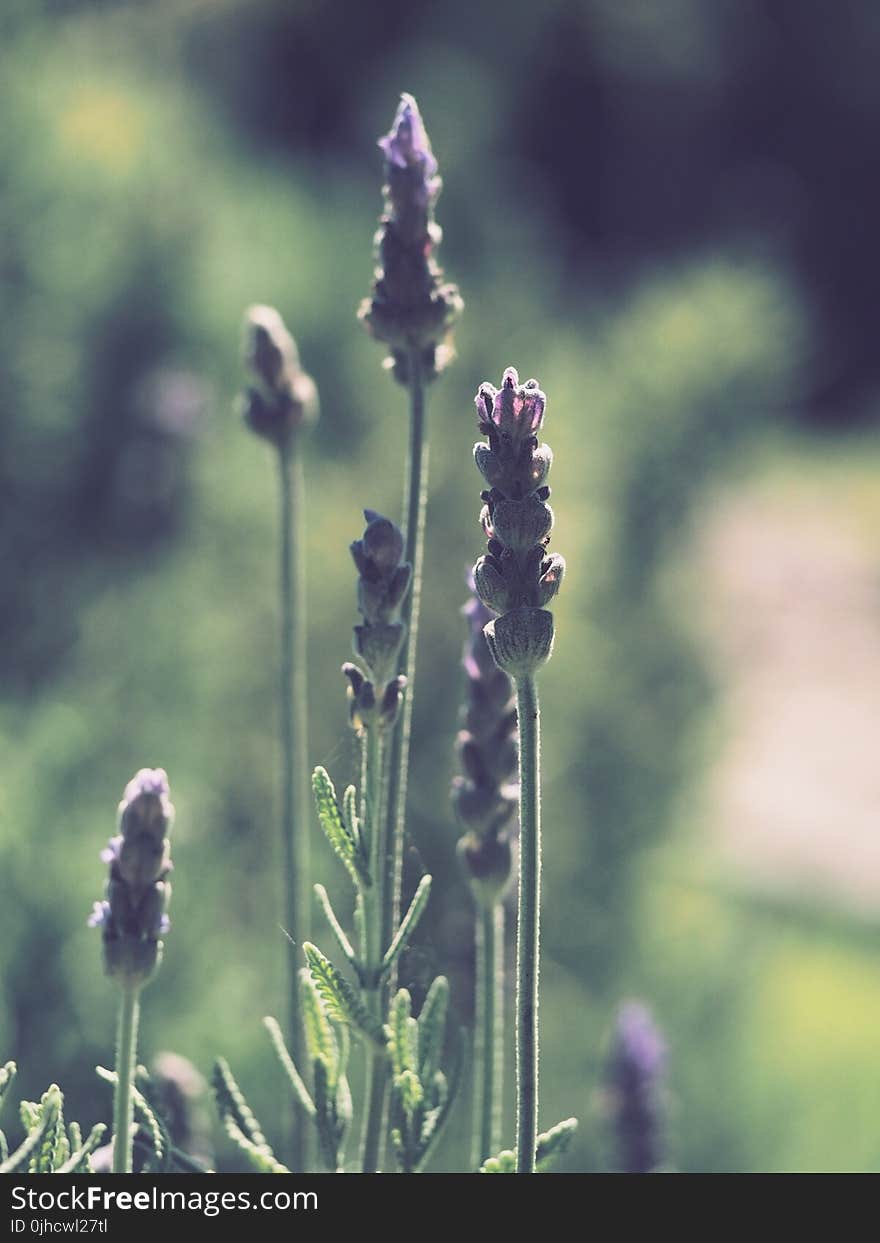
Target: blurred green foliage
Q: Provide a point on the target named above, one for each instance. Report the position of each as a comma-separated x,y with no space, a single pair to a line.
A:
138,627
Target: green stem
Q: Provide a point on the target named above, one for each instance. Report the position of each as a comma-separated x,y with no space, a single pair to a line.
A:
415,510
123,1101
373,793
528,925
293,692
489,1053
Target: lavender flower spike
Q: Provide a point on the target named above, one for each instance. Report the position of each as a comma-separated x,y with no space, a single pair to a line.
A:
636,1070
410,308
517,577
485,794
133,915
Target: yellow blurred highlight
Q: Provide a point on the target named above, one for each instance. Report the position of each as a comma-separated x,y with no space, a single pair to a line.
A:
104,127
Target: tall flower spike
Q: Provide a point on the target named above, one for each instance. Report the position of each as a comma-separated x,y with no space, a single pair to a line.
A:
635,1087
283,395
133,915
410,308
375,689
485,794
517,577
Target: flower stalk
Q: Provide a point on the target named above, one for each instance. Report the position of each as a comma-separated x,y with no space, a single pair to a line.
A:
515,580
412,310
280,401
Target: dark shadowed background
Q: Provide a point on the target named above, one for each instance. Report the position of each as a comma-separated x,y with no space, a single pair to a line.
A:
667,213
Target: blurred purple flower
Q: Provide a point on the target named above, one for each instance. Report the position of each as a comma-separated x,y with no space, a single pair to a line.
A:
636,1070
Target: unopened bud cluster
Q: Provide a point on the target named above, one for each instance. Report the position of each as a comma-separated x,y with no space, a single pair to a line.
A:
517,577
485,794
133,915
282,395
375,688
410,308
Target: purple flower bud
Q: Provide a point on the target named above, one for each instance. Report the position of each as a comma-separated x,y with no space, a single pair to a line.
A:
516,410
407,144
284,396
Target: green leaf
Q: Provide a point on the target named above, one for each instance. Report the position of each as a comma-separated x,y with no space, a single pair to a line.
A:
300,1090
321,1042
504,1163
432,1028
345,845
53,1143
31,1145
153,1125
408,924
232,1104
451,1089
554,1143
342,1003
261,1157
336,928
352,819
400,1040
7,1075
78,1162
239,1122
551,1144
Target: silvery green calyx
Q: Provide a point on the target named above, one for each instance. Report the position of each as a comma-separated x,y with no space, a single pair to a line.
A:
517,577
133,915
410,307
635,1089
282,395
375,688
485,793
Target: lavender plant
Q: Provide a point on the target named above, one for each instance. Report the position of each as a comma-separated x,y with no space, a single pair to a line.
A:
133,919
399,1048
49,1146
635,1090
484,796
516,579
412,310
277,405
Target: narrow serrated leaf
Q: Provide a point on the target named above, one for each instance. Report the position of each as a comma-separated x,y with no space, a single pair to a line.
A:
343,1004
45,1155
408,924
352,819
261,1156
321,1042
399,1046
335,927
554,1143
504,1163
453,1083
294,1078
343,843
7,1075
432,1028
232,1104
31,1144
78,1161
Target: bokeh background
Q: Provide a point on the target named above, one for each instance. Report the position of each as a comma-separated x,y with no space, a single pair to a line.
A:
667,212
